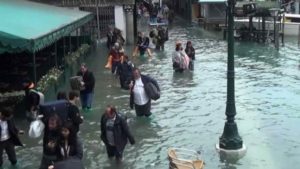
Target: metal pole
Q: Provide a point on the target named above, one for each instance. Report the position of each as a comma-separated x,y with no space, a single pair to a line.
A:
77,39
135,20
299,36
282,29
277,37
55,51
64,45
275,30
98,23
263,29
34,69
226,25
230,139
70,44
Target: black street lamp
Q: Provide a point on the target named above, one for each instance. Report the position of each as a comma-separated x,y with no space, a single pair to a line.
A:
230,139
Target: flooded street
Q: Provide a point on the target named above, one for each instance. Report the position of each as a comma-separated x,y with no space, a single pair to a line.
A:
191,111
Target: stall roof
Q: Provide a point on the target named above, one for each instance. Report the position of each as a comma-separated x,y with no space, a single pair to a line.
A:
30,26
212,1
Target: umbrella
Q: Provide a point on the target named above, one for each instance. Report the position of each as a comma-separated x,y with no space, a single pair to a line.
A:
71,163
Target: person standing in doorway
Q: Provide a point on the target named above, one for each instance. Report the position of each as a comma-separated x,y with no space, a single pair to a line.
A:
88,84
138,96
8,136
115,132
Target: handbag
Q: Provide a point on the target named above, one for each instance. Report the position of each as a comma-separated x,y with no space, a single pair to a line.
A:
36,129
152,91
75,82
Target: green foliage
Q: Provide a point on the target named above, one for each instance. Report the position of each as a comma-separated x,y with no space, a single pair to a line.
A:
72,57
49,79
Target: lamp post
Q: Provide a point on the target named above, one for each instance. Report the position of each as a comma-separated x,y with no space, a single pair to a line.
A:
98,22
230,147
135,20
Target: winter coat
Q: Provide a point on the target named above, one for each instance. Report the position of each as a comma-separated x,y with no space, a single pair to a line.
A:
145,80
143,43
89,81
190,51
74,116
125,69
76,150
121,131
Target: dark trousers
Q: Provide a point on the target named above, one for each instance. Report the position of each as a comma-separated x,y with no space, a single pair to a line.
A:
86,100
124,81
160,46
9,147
191,65
114,66
113,152
143,110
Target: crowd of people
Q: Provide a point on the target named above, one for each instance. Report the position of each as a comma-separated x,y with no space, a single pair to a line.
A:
61,138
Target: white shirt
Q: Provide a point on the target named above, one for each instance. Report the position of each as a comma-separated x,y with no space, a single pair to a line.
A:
140,96
4,131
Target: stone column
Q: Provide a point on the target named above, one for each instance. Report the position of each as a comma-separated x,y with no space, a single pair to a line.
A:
128,9
297,11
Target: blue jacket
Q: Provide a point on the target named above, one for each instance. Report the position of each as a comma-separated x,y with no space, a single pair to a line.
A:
145,80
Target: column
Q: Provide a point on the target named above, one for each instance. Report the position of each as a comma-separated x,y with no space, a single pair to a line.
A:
128,9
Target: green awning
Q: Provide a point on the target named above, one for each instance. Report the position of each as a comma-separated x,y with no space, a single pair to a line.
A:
30,26
212,1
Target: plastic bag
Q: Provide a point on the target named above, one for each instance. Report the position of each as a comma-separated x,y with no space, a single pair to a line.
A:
36,129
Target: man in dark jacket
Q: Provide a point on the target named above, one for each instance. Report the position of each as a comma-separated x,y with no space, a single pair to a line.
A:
125,72
138,95
142,43
161,38
73,111
115,132
88,84
8,136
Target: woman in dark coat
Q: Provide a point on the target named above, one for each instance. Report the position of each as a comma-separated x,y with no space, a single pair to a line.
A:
69,145
190,51
50,140
115,132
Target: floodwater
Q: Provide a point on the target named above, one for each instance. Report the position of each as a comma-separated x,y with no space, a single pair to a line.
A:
191,111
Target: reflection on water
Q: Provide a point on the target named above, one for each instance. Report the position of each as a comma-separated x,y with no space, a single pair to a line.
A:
191,110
